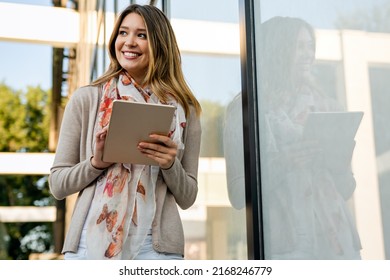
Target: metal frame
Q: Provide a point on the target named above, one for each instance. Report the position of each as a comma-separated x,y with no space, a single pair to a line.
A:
251,134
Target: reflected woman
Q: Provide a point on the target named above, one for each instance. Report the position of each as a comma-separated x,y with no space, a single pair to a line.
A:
304,190
306,193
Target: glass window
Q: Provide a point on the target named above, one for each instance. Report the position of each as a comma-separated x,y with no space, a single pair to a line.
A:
380,88
322,74
214,229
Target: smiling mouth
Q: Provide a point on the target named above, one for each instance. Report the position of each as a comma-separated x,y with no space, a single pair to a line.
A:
130,54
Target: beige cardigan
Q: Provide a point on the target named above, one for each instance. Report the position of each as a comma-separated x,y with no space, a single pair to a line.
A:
72,172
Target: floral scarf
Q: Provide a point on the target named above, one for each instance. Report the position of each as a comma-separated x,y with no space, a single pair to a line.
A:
123,207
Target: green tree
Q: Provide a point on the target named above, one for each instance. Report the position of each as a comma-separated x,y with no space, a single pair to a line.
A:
24,126
36,120
11,119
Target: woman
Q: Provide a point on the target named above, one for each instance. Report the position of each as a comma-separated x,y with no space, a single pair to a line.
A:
129,211
305,190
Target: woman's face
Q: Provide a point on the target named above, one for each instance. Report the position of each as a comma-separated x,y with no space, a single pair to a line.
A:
304,54
131,47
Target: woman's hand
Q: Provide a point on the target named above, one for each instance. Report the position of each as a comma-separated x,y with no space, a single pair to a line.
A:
97,159
163,150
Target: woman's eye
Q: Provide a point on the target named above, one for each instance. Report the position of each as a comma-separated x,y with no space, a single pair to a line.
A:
142,35
122,33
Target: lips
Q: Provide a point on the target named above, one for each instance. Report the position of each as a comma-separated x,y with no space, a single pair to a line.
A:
130,54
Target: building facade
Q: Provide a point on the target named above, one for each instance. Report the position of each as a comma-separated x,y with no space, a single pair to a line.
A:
255,201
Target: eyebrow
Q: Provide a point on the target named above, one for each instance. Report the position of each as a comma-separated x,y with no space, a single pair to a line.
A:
137,29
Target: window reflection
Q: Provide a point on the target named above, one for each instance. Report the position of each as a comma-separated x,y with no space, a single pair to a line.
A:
351,66
324,197
308,179
380,88
213,229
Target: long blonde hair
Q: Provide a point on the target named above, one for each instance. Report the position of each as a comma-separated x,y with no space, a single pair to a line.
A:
164,75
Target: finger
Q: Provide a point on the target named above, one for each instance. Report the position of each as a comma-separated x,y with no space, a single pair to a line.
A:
162,159
162,153
165,140
158,151
101,133
162,149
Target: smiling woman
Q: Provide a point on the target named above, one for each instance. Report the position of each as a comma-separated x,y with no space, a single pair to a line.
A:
124,210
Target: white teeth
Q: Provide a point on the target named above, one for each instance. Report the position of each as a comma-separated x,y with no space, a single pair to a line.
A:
130,54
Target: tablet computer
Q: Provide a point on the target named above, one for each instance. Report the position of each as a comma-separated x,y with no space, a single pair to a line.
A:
335,133
339,126
131,123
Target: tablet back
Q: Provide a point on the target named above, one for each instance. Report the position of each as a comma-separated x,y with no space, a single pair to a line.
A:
131,123
335,133
336,127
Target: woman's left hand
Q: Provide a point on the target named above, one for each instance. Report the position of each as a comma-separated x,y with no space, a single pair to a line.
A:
163,151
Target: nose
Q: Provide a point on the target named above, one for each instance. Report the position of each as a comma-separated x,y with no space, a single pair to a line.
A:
130,41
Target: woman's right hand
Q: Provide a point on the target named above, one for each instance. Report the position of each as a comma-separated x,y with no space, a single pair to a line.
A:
97,158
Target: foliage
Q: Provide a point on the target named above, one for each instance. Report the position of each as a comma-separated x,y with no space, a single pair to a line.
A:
374,20
11,119
24,127
4,242
24,120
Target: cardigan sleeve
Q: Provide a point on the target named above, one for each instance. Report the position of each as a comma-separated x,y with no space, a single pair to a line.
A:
181,178
72,170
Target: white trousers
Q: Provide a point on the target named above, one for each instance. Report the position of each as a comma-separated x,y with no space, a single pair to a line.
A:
146,253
